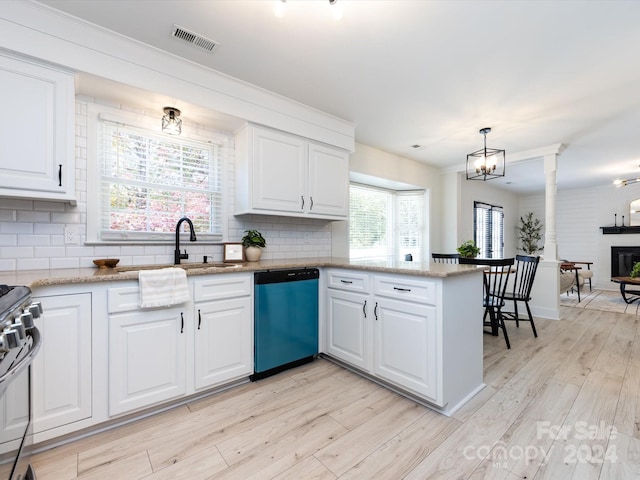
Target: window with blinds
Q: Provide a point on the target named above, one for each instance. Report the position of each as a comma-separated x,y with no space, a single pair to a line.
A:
385,223
148,181
488,226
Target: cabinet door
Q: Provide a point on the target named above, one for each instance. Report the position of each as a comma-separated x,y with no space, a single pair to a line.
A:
36,144
406,345
14,411
147,358
279,171
62,368
223,341
348,318
328,181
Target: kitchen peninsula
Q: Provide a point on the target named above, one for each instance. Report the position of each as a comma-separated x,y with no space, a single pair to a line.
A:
415,328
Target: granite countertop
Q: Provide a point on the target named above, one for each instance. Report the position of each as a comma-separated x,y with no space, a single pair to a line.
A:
37,278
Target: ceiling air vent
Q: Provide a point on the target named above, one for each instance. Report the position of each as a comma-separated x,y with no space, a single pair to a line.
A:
194,39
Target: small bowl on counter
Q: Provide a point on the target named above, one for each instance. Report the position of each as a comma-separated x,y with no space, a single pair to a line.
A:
106,262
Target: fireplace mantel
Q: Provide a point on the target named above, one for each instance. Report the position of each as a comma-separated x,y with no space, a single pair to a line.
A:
619,230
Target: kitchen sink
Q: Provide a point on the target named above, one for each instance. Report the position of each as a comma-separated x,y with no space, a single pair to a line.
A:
186,266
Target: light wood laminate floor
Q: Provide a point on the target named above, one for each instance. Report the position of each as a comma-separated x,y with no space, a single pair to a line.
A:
565,405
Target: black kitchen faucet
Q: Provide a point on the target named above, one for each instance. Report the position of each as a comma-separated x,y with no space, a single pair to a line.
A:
192,238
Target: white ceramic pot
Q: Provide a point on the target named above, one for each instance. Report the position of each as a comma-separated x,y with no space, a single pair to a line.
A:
252,254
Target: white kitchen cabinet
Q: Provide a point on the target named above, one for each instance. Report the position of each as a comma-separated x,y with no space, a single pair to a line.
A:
411,332
223,335
37,157
147,353
62,369
281,174
406,345
348,322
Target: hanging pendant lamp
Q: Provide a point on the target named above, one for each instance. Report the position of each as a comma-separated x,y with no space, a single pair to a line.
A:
486,163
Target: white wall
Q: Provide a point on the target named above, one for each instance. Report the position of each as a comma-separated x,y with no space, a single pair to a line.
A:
580,214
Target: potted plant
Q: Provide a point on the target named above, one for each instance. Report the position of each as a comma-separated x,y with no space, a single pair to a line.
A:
253,243
530,233
468,249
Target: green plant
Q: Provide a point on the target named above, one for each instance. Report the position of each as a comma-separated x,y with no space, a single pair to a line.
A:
635,272
468,249
530,233
253,238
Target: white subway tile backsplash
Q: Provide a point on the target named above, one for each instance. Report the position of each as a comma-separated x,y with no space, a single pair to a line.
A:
15,227
64,262
48,228
9,240
25,216
33,264
8,215
17,252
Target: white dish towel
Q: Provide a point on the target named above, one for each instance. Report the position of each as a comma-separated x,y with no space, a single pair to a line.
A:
163,287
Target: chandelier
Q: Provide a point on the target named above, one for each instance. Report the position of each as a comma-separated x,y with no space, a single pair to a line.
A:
486,163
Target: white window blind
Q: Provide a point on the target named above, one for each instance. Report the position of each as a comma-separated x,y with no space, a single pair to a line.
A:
385,223
489,230
149,181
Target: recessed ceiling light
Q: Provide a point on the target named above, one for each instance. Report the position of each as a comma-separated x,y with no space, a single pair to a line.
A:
416,146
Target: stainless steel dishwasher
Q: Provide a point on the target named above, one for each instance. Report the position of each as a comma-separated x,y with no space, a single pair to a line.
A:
286,319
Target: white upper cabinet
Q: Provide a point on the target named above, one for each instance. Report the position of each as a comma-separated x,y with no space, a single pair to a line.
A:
37,136
282,174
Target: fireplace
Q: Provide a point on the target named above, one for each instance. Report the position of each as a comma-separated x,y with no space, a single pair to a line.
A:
622,260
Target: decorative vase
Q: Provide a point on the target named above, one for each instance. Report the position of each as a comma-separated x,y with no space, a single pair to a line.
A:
252,254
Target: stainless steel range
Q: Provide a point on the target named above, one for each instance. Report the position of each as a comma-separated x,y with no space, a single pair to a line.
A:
19,343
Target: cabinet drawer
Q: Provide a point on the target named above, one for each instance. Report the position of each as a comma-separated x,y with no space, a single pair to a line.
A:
218,287
419,290
123,299
348,280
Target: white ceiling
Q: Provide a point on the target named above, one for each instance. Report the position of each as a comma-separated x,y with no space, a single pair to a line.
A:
430,73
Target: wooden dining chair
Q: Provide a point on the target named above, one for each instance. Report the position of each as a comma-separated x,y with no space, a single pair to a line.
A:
526,267
445,257
496,277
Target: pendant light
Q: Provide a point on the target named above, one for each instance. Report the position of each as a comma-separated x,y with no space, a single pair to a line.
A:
486,163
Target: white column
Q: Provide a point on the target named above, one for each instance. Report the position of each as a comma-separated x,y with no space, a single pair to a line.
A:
550,235
545,295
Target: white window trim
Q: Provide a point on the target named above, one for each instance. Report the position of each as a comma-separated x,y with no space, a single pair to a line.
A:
392,225
96,113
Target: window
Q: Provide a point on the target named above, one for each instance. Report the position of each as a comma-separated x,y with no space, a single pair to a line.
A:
488,226
148,181
385,223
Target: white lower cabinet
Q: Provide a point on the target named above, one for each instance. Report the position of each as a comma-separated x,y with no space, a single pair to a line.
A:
385,326
223,343
161,354
348,335
62,368
147,358
406,345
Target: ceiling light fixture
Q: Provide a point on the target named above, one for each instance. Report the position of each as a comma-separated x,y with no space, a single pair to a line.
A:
171,124
623,183
486,163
